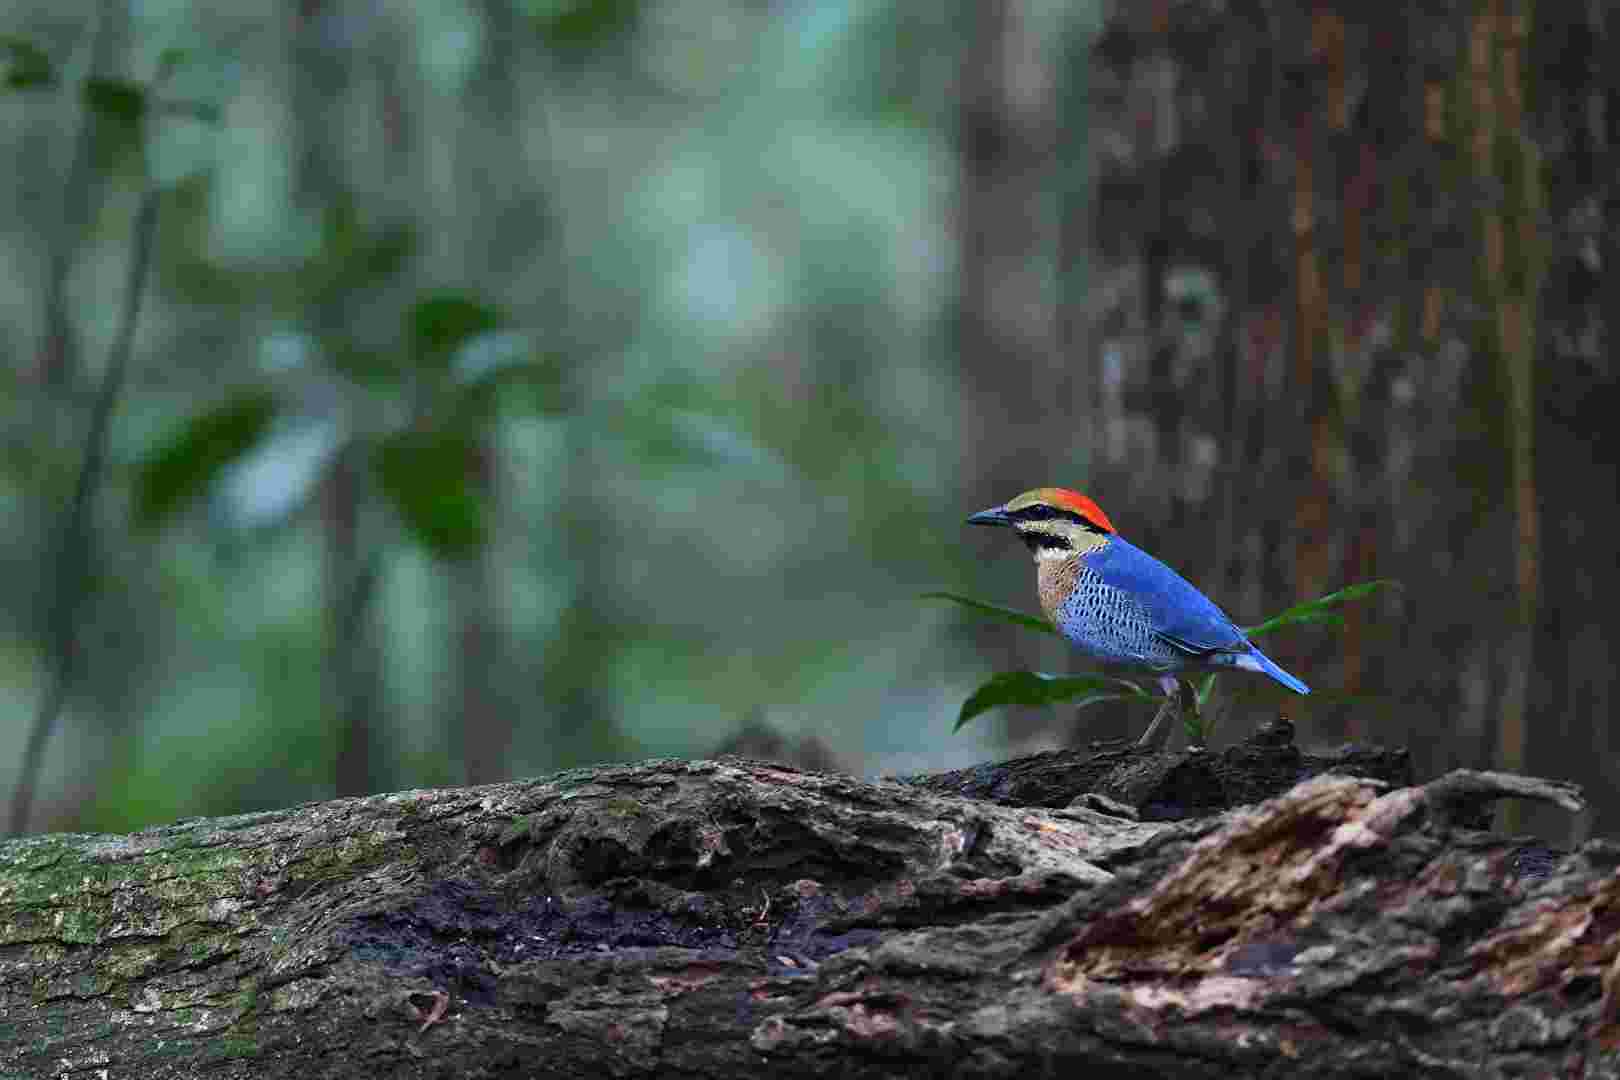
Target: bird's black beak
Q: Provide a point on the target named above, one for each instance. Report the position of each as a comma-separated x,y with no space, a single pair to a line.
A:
996,515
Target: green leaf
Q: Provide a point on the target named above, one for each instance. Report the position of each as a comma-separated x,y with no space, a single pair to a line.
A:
1319,610
1197,728
1038,688
574,27
354,256
432,479
1018,618
121,107
116,99
170,60
386,253
438,325
26,65
185,466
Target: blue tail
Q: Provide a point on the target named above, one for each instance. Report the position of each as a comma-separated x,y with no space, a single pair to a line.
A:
1255,660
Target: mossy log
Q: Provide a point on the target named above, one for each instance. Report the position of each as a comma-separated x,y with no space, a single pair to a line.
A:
736,918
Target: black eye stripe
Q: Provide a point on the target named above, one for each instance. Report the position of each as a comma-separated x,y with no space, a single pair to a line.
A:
1042,512
1046,542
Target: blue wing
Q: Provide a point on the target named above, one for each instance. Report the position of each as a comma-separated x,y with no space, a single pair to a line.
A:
1180,614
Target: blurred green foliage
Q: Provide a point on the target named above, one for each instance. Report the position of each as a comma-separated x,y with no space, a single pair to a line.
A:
121,109
427,476
185,466
573,28
438,325
27,66
629,315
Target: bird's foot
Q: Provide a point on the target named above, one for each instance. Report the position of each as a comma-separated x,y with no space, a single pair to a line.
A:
1180,697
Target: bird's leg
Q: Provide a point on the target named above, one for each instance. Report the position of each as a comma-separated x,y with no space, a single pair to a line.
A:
1158,732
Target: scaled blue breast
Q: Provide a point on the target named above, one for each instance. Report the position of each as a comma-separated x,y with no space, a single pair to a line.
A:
1128,607
1108,623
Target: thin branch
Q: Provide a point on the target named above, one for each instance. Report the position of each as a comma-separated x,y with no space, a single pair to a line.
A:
73,557
57,363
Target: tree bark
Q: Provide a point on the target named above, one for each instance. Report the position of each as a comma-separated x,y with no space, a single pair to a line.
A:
736,918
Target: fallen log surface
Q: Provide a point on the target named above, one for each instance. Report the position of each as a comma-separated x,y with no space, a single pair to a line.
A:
738,918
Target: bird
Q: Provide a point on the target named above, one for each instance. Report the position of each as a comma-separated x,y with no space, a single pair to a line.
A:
1120,606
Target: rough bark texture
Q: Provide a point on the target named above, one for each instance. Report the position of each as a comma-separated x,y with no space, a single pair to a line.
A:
733,918
1349,297
1168,787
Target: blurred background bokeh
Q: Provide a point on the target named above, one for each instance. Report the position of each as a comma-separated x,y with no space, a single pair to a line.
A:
523,384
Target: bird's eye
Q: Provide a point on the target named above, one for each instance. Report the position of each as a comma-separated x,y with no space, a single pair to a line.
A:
1039,541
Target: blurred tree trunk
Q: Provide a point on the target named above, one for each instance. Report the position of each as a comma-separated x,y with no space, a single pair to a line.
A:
353,674
484,717
322,50
482,722
577,671
1007,322
58,365
1509,284
1574,112
1404,223
1022,409
63,429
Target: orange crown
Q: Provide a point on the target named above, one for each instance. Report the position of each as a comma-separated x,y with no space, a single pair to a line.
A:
1077,503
